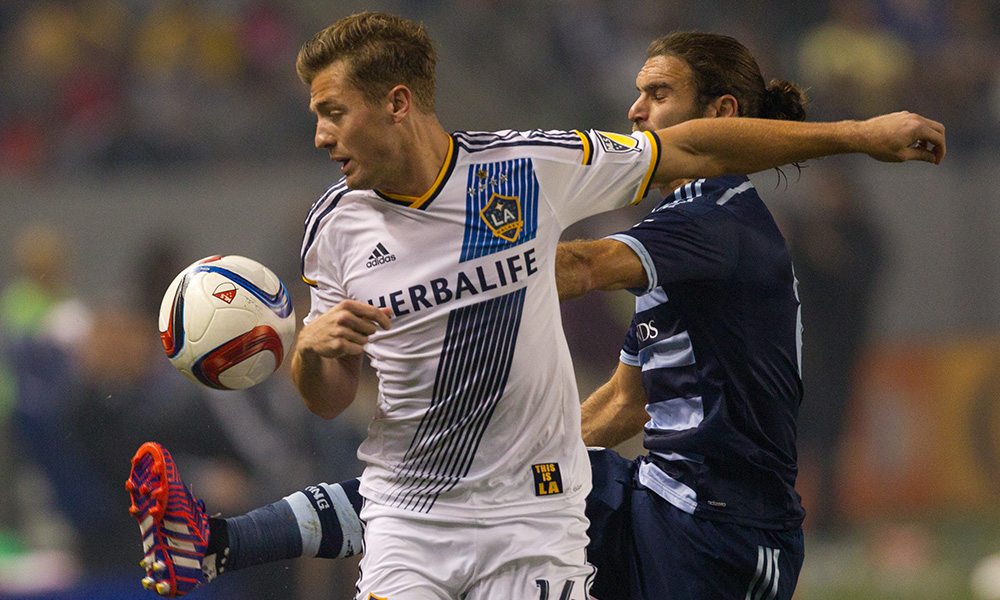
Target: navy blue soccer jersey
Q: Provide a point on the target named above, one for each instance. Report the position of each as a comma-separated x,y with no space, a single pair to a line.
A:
717,334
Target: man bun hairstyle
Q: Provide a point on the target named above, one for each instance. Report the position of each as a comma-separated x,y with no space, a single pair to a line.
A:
721,65
380,51
784,100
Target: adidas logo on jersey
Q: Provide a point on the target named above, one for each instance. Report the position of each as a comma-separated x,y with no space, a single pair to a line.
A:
379,256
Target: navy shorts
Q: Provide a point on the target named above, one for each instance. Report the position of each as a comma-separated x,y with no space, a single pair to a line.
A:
645,548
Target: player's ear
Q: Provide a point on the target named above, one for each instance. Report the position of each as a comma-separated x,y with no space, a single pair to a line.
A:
725,105
401,101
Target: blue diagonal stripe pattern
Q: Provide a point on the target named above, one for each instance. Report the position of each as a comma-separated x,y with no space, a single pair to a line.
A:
471,377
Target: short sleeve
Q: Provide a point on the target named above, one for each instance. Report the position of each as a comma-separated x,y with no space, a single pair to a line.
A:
630,347
614,171
684,246
322,275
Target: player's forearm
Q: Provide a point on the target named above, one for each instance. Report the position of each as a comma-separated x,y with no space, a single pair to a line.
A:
327,386
611,416
712,147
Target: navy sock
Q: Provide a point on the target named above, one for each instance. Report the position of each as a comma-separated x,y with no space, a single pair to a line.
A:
266,534
321,520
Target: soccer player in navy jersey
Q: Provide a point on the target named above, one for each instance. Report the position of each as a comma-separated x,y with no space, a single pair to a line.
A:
371,82
710,367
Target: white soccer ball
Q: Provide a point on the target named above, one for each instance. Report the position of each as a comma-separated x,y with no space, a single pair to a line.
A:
985,578
226,322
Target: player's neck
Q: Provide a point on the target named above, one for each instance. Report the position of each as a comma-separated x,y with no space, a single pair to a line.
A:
425,154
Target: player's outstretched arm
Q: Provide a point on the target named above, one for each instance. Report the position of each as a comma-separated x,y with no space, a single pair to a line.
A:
587,265
616,411
712,147
327,358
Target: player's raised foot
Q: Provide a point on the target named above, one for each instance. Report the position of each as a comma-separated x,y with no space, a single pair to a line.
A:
172,522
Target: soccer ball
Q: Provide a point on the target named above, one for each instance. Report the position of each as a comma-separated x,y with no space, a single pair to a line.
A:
226,322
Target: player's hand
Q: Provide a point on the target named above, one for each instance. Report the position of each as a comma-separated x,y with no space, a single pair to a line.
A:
343,330
903,136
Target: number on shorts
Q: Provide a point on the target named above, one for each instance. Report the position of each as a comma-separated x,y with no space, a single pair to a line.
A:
543,589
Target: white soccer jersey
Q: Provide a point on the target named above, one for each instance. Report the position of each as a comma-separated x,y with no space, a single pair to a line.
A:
478,412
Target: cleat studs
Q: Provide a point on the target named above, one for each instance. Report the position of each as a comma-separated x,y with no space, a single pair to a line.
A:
170,518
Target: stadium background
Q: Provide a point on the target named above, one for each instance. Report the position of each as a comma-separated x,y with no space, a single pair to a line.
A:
136,137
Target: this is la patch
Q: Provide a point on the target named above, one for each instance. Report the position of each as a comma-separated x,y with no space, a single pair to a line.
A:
548,481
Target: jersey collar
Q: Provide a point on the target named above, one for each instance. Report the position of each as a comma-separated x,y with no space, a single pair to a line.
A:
422,202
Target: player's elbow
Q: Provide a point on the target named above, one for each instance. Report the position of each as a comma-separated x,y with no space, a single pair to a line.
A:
323,409
324,404
324,385
321,401
574,271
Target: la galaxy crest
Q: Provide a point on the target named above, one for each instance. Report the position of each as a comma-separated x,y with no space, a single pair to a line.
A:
502,214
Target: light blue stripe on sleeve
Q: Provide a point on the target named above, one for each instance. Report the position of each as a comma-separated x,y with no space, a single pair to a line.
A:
629,359
644,257
654,298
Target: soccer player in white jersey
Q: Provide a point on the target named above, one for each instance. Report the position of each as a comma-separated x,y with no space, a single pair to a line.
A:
434,256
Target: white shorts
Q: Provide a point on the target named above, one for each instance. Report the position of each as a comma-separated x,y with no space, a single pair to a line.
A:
535,557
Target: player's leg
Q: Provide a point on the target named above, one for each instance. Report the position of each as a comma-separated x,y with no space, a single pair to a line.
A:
414,558
541,556
184,549
610,524
320,521
680,556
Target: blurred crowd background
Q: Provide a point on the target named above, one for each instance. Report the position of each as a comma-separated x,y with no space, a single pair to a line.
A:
138,136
